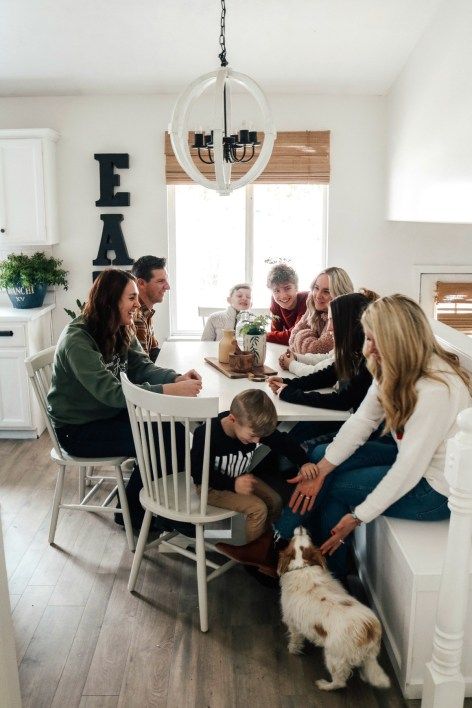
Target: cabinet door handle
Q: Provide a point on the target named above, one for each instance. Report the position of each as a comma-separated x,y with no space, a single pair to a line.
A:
6,333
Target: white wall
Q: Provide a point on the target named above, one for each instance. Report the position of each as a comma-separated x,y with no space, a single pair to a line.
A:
430,124
377,254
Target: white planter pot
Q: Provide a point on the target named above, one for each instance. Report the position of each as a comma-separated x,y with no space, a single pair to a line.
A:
256,344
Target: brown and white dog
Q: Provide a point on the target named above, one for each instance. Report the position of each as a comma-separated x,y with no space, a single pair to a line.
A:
315,606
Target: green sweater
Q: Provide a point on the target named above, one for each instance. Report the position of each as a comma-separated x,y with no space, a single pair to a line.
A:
85,388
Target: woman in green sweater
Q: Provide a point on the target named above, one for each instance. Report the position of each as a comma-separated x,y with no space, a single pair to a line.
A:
86,401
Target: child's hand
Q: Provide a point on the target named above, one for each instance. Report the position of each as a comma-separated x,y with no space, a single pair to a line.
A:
286,359
308,471
275,382
245,484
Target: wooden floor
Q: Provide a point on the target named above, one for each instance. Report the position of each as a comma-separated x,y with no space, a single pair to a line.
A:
83,640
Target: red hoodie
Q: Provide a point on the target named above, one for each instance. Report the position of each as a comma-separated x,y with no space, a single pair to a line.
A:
281,328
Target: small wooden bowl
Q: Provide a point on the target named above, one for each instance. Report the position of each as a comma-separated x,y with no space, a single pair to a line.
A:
241,363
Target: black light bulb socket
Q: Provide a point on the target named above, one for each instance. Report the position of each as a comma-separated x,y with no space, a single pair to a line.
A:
199,140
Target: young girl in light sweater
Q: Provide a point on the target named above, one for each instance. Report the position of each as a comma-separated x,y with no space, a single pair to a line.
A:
310,333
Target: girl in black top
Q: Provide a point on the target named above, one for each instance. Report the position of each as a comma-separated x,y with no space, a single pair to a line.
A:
348,374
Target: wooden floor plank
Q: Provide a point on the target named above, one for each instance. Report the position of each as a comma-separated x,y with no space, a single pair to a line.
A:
45,657
26,505
109,660
149,660
14,599
54,557
99,702
75,582
74,675
27,616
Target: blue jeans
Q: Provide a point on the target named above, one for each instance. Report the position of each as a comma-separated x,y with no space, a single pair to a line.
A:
308,430
347,486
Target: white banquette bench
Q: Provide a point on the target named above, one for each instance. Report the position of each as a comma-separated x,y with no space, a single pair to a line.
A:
402,566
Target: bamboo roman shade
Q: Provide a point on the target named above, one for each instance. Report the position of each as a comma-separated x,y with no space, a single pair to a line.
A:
454,305
297,158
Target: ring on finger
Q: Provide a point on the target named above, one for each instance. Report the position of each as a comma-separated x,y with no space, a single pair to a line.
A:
341,541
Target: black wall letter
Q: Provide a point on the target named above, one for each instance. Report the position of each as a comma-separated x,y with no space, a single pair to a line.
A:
112,240
109,180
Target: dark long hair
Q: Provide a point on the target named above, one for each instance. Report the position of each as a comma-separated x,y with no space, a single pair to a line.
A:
346,313
102,315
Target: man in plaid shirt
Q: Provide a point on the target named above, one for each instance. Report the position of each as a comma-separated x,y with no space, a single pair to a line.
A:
152,278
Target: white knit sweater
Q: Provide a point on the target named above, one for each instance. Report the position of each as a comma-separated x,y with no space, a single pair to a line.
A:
217,322
309,363
421,449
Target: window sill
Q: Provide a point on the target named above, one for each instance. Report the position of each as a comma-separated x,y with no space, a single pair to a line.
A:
184,338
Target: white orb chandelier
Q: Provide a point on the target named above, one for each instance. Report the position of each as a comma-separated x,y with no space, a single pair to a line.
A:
218,146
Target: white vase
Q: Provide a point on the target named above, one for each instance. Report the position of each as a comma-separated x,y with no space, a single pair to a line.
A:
256,344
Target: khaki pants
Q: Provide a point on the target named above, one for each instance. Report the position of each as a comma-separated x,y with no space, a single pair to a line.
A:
260,508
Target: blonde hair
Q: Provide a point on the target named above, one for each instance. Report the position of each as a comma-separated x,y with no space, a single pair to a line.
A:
239,286
339,284
254,408
371,295
406,343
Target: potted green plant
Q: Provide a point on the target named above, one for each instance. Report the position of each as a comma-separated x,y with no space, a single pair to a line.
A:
254,337
26,278
72,314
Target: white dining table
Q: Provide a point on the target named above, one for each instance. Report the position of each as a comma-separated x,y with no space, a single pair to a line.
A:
186,355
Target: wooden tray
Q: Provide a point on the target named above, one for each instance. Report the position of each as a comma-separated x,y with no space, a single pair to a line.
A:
224,369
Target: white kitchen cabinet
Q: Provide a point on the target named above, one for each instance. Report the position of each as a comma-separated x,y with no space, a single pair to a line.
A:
28,200
22,333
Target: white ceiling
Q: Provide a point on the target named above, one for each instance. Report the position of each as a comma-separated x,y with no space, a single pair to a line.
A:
56,47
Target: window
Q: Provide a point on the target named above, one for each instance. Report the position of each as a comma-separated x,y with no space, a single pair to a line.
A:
215,242
453,305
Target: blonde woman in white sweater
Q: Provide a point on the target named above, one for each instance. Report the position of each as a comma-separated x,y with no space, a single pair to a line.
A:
417,392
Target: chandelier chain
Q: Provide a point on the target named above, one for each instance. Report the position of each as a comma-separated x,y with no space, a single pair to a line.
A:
222,55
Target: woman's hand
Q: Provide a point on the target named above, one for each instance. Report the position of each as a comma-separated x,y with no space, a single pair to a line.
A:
275,382
186,387
192,374
342,529
286,359
306,491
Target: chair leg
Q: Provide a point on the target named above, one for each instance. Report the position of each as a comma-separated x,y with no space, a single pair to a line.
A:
201,577
88,473
56,502
82,473
124,508
138,556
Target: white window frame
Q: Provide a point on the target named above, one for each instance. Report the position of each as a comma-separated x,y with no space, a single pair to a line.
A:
249,251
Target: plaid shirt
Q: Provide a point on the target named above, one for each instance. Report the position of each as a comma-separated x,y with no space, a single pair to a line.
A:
145,331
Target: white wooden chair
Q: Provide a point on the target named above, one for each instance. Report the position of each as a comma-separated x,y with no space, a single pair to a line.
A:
39,368
173,495
205,312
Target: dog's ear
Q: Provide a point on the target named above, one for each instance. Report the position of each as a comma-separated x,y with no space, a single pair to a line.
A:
313,556
285,557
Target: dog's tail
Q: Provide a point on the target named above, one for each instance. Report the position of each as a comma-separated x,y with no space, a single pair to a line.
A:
372,673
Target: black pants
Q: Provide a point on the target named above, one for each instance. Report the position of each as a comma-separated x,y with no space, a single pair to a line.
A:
113,437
